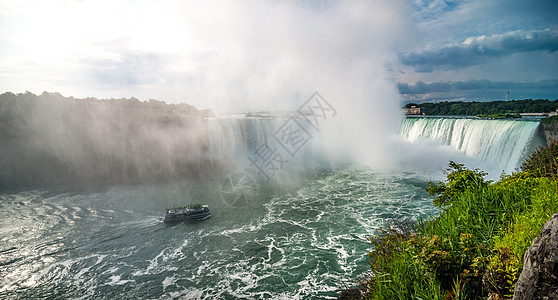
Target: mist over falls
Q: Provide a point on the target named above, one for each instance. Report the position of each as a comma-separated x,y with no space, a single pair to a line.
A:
51,139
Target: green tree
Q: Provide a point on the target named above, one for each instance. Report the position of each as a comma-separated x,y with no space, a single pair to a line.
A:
458,181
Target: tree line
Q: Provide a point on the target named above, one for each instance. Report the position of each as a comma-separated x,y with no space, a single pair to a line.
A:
475,108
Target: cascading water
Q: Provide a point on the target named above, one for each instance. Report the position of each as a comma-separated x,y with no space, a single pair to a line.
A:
230,137
234,140
503,142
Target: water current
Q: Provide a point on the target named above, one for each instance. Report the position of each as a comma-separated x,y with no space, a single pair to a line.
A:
306,241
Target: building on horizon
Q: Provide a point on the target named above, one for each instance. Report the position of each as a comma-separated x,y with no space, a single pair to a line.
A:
414,110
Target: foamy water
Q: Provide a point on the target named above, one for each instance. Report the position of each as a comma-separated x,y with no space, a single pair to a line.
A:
303,241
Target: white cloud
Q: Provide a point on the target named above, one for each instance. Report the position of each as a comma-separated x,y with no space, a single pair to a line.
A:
497,41
480,49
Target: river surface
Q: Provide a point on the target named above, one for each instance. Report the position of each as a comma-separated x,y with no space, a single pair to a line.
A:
299,241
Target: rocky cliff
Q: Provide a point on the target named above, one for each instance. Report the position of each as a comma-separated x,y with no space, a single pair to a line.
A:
539,278
549,129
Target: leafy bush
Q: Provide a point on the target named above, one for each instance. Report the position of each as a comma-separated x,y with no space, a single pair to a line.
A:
396,274
543,162
386,244
443,258
458,181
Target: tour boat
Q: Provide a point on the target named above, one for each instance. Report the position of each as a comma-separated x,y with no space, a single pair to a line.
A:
195,212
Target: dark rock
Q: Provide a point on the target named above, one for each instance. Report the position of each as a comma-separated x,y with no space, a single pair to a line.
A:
350,294
539,279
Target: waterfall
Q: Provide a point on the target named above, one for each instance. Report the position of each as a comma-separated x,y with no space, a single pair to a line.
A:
231,137
239,141
503,142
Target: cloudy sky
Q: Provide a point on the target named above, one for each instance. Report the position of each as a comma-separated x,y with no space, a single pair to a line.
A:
257,55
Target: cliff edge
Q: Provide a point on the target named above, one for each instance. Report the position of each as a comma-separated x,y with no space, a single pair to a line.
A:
539,279
549,128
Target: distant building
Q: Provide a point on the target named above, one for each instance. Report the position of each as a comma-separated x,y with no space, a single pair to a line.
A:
413,110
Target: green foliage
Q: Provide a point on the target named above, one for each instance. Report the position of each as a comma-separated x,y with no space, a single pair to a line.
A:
395,273
543,162
444,257
423,267
477,242
386,243
506,262
458,181
549,120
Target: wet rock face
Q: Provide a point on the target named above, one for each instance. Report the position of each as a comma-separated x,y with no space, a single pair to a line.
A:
539,279
550,131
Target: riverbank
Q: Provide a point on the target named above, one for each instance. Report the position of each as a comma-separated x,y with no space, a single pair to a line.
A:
474,248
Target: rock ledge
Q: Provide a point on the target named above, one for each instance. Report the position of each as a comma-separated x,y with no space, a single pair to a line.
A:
539,278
